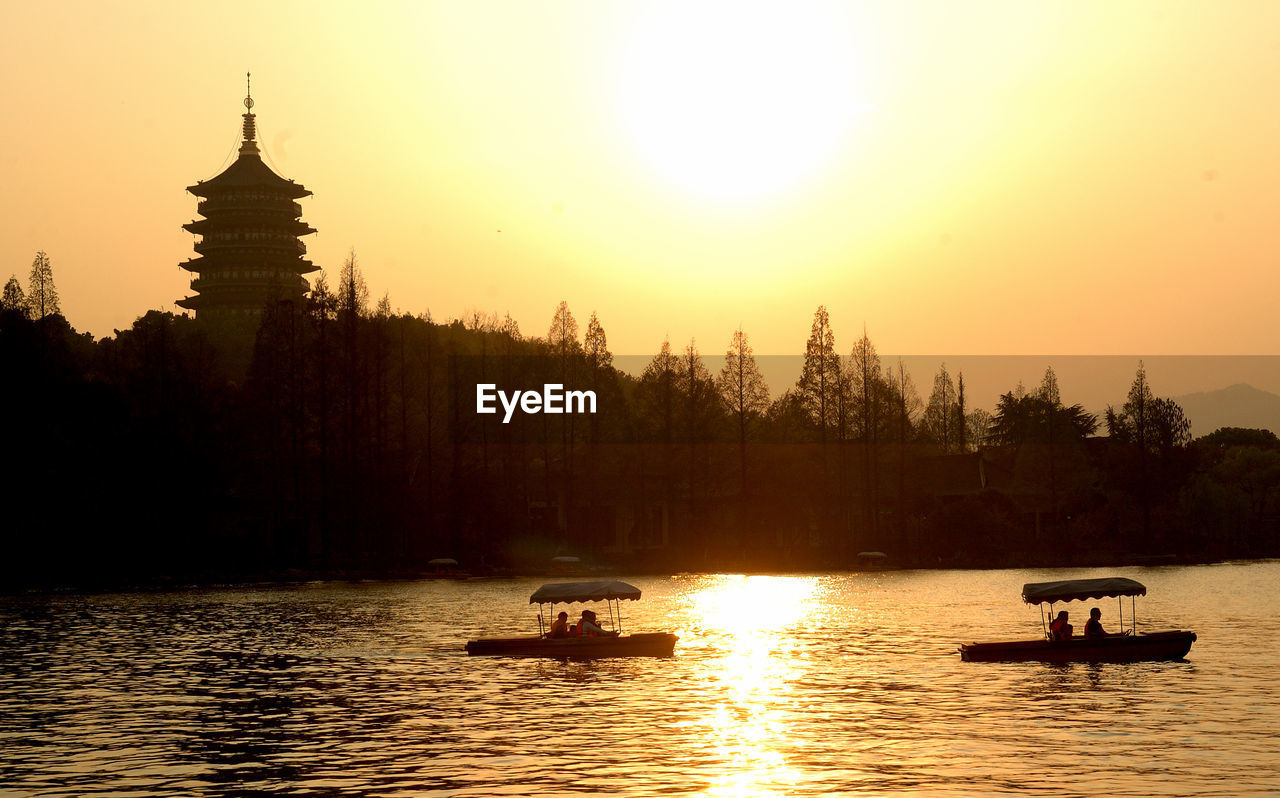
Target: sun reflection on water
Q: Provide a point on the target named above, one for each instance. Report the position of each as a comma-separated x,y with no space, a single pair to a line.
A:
751,621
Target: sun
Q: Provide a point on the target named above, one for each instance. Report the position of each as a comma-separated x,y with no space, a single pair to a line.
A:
737,101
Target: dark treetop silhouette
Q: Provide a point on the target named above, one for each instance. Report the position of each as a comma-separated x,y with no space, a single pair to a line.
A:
348,446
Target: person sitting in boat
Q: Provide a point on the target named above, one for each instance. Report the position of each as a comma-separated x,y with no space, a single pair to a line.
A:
1060,629
1093,628
560,628
587,626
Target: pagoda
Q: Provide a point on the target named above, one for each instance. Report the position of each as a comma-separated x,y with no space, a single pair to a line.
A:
249,248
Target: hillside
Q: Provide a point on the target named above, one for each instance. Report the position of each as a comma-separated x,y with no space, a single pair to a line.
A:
1237,405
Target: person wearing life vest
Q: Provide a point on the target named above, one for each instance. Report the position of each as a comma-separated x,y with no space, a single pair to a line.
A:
560,628
1060,629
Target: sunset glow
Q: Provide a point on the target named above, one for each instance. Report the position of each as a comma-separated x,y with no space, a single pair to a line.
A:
685,169
754,616
736,102
364,363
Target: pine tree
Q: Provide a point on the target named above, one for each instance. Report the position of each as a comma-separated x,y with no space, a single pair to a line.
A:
563,335
939,413
820,379
698,393
744,392
656,404
697,389
599,362
511,330
353,293
868,392
42,296
867,386
656,391
13,298
1048,390
596,345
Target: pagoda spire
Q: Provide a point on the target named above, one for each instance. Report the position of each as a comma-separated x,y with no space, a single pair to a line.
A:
249,147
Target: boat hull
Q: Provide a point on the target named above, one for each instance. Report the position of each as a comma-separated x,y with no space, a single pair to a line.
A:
1114,648
655,644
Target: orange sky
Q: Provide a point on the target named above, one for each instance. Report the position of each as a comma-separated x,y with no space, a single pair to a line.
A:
989,178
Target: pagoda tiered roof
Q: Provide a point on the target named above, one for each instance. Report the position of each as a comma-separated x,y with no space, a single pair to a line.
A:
248,171
296,227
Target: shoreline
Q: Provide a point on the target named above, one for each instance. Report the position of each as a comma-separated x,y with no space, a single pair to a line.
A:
297,578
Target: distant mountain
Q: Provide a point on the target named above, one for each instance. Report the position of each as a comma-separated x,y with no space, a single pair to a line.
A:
1238,405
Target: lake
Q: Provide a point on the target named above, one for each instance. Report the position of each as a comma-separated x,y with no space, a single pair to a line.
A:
811,684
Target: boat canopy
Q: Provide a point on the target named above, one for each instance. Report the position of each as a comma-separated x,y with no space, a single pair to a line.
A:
1073,589
443,561
569,592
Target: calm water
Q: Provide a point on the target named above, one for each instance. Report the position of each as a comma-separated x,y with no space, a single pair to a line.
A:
786,685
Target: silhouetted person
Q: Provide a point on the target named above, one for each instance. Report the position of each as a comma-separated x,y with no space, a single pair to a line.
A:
1060,629
1093,628
561,626
587,626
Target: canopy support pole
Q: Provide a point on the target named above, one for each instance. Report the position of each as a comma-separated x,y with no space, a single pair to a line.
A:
1133,612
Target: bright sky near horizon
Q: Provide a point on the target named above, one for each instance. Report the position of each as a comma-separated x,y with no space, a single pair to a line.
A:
986,178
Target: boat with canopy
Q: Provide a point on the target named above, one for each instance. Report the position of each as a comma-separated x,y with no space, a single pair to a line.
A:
1129,645
611,644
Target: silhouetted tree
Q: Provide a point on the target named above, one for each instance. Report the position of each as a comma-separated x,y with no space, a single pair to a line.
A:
323,308
42,296
700,400
428,400
599,364
596,345
562,339
1046,437
904,402
820,377
352,308
744,392
657,398
563,335
1153,427
869,391
13,299
1048,390
1146,421
977,422
1239,436
657,392
787,419
939,414
1031,418
905,406
353,292
870,395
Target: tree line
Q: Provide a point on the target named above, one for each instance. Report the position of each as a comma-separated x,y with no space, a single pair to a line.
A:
334,438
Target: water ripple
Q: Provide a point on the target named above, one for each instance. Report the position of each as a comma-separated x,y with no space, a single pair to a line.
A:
805,685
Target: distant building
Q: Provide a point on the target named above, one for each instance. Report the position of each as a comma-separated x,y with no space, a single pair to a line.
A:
249,247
